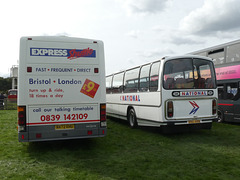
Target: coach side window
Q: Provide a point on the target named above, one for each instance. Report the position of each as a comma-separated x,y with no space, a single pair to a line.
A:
131,80
217,56
117,84
144,78
228,91
220,91
109,84
154,74
233,53
232,90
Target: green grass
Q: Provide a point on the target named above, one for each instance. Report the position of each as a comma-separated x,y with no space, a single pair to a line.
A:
124,153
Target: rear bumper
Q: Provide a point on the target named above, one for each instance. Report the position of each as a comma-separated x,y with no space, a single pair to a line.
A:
186,122
185,128
48,132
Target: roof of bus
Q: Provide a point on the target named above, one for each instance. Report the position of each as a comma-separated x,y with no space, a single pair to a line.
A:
187,56
167,58
216,47
59,39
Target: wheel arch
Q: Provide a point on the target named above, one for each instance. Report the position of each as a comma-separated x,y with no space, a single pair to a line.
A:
128,109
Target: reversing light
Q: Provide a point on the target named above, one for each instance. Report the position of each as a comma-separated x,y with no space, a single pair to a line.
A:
170,109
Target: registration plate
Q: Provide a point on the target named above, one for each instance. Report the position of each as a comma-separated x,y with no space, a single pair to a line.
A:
64,127
194,121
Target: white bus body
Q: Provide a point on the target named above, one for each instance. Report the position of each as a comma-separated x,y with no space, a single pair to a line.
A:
175,91
61,89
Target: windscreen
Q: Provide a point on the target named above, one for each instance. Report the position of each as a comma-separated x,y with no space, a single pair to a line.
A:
189,74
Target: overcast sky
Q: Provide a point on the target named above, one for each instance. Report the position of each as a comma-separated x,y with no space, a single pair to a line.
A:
133,31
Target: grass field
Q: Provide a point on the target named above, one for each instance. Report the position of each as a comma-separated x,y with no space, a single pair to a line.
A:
124,153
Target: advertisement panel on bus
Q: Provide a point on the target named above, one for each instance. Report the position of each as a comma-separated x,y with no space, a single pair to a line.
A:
61,88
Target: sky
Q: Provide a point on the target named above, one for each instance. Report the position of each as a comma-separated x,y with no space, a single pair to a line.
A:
134,32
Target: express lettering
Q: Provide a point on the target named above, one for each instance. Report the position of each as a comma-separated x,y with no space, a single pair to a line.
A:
48,52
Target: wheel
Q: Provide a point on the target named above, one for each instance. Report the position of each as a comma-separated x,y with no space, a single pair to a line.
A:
220,116
132,119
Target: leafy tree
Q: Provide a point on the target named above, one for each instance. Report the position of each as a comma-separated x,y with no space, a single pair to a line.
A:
5,84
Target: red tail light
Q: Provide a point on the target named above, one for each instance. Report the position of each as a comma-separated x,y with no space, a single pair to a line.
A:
29,69
103,115
22,118
214,106
38,135
96,70
169,109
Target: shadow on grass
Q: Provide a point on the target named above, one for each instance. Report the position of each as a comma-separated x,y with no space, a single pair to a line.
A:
80,156
164,131
70,145
127,153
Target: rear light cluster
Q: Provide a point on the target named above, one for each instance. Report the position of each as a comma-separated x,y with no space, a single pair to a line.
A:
21,118
170,109
103,118
214,106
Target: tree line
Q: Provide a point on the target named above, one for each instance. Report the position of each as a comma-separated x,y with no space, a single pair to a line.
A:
5,85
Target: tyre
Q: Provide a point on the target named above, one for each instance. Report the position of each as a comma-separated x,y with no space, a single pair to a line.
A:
132,119
220,116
